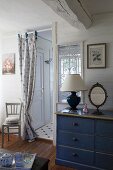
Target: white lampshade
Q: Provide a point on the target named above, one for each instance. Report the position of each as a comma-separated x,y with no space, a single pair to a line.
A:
73,83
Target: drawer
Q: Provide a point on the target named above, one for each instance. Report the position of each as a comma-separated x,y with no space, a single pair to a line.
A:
75,155
104,128
104,161
73,124
76,140
104,144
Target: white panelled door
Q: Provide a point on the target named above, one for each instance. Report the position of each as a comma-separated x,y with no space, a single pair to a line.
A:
41,111
38,100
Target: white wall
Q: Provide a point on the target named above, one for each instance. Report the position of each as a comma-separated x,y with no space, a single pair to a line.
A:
100,32
10,84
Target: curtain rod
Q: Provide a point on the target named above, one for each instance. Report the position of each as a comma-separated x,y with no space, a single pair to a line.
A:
37,31
36,35
41,30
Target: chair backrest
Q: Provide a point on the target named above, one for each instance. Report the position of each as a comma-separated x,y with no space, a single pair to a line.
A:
13,109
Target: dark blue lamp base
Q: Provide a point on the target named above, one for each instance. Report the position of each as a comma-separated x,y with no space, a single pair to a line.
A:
73,100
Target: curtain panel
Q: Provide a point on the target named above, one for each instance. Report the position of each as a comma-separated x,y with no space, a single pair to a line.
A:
28,57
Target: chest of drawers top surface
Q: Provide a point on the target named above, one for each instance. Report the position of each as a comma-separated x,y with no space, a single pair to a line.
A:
106,114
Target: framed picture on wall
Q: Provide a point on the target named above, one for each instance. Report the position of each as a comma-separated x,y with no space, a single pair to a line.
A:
96,55
8,64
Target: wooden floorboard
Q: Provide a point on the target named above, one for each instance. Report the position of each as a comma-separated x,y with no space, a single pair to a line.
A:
44,148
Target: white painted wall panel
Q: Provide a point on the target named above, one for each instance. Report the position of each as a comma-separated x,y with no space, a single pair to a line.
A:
10,84
101,32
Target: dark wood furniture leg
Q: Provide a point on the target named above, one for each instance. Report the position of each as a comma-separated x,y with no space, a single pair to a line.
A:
40,164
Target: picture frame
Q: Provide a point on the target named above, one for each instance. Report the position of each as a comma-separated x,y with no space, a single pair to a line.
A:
8,64
96,56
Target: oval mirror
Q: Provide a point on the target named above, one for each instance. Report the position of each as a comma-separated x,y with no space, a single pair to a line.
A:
97,96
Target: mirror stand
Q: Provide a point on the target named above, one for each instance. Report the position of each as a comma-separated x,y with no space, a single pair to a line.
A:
97,96
97,112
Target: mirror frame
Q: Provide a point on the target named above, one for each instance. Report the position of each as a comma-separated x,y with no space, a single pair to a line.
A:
97,106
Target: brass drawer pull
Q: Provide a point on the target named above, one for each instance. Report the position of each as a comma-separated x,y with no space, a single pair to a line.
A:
75,154
75,124
75,139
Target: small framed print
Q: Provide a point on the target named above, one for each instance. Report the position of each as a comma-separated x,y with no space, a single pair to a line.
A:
96,55
8,64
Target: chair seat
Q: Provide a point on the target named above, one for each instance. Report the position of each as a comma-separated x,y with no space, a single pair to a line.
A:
12,120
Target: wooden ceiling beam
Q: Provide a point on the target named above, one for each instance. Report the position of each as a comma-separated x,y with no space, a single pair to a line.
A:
72,11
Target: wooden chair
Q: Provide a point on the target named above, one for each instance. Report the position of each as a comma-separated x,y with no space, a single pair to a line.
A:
13,120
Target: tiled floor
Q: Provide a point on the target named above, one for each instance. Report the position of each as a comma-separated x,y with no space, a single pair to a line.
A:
45,132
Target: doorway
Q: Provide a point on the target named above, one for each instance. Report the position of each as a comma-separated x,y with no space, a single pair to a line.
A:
43,94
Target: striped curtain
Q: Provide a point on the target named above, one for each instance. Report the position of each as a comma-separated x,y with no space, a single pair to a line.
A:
28,56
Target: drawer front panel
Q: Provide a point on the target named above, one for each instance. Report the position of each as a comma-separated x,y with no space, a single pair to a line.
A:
104,128
75,155
104,161
104,144
73,124
76,140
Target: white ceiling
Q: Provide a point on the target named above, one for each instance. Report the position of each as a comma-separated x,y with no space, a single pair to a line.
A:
19,15
98,6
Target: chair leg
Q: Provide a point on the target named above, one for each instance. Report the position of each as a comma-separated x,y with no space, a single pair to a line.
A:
8,133
2,136
19,129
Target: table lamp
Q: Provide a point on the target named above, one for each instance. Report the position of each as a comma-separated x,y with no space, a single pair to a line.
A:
73,83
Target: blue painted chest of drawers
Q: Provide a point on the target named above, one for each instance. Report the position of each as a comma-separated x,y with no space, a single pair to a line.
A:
85,141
